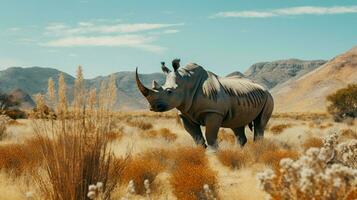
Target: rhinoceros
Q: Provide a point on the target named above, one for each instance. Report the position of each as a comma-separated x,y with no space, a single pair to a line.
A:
205,99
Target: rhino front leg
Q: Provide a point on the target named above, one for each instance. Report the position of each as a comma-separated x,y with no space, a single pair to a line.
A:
213,122
239,132
194,130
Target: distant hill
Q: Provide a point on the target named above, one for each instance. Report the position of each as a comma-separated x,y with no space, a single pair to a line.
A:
33,80
26,102
271,74
308,93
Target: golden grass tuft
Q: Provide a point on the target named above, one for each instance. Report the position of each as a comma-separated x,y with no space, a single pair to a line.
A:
139,169
167,135
224,136
161,133
191,172
272,158
312,142
258,148
190,155
327,125
233,158
17,158
162,156
188,181
114,135
75,147
138,123
349,133
277,129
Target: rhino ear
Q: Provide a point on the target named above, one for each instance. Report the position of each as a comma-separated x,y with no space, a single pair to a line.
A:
176,64
155,85
164,68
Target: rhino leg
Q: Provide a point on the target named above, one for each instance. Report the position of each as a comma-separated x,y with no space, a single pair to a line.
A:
239,132
194,130
261,121
213,122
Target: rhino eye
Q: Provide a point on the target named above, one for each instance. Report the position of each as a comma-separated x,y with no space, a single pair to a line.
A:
169,91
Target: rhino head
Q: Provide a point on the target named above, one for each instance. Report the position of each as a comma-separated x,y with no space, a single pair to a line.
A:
165,97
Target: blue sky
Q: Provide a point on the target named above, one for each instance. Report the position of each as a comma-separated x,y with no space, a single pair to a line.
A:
223,36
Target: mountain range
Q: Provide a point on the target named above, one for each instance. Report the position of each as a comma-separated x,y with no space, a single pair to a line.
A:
288,81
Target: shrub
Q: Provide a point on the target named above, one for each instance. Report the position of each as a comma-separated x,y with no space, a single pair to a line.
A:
277,129
188,181
233,158
272,158
312,142
16,114
138,170
191,173
343,103
321,173
190,155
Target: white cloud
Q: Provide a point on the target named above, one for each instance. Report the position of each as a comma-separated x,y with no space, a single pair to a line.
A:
60,29
303,10
135,41
170,31
108,34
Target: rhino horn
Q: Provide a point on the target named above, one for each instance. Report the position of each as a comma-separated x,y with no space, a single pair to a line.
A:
145,91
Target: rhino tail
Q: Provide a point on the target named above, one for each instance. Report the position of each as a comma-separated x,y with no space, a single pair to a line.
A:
250,125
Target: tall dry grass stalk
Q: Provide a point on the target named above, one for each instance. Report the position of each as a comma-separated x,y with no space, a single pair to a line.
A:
75,146
51,92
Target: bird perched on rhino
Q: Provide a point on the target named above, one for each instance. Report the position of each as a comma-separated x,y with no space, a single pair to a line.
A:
205,99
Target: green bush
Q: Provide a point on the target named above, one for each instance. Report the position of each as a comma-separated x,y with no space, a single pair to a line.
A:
343,103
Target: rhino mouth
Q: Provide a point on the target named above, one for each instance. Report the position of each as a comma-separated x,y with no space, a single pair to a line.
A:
159,107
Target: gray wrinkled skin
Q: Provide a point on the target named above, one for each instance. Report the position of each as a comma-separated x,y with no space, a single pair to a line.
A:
204,99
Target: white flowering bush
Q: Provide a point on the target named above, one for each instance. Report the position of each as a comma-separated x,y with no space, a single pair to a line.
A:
322,173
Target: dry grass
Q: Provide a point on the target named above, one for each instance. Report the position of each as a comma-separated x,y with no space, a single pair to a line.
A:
17,158
224,136
190,156
258,148
349,133
75,147
161,133
272,158
301,116
233,158
191,173
162,156
140,169
188,181
139,123
312,142
277,129
114,135
327,125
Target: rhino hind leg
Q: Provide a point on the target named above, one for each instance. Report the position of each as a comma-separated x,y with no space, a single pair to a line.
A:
240,134
261,121
194,130
213,122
